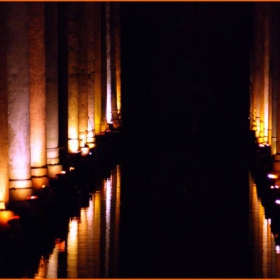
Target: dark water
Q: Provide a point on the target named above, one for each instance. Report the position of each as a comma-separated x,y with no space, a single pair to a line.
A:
182,213
91,248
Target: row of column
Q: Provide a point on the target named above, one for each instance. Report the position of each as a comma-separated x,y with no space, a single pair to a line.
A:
94,77
265,77
30,107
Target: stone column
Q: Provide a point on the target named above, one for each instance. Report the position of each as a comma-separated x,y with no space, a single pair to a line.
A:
90,18
37,73
97,69
266,80
117,33
115,63
114,110
52,89
274,72
258,69
276,89
4,179
108,65
73,94
82,76
18,101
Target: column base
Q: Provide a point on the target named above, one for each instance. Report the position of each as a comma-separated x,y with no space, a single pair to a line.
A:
2,205
39,177
39,182
73,145
53,170
20,190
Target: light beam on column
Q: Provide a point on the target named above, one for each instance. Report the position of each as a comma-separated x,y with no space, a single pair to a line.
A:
37,72
97,68
18,101
52,89
82,77
4,179
266,86
73,94
258,72
108,66
90,17
118,54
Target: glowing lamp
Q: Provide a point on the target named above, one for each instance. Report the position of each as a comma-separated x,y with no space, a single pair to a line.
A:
5,217
277,249
32,197
272,176
277,201
71,168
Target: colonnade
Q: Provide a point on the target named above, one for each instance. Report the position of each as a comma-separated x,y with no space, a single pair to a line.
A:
60,79
265,78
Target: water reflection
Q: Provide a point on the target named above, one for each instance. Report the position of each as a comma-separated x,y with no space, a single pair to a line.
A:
265,256
92,245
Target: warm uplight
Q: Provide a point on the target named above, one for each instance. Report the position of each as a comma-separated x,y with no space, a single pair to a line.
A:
85,151
71,168
60,245
83,138
20,184
5,216
73,145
